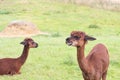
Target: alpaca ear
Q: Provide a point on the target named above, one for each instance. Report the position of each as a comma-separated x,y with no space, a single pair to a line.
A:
89,38
22,43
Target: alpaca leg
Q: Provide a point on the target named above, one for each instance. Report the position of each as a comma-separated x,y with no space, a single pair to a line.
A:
104,75
18,73
98,77
11,73
85,78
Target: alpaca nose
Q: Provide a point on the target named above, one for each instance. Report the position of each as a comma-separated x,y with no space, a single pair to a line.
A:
68,39
36,45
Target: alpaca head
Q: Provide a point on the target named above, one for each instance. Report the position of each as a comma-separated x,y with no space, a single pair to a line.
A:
78,39
30,43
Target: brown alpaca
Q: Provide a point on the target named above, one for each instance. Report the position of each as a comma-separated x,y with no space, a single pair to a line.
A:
95,65
11,66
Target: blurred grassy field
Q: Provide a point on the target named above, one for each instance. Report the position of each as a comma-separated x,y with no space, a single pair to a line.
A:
53,59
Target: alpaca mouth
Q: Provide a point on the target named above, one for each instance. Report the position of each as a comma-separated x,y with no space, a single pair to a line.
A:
69,43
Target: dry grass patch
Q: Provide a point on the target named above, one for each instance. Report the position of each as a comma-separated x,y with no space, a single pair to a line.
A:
21,29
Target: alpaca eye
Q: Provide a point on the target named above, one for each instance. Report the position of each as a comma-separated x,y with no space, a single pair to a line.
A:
76,37
32,42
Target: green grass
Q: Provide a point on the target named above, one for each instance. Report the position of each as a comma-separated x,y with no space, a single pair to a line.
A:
53,59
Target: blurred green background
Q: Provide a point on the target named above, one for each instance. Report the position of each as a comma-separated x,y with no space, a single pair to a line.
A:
53,59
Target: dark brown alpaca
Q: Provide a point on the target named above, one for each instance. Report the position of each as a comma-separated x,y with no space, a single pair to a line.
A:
11,66
95,65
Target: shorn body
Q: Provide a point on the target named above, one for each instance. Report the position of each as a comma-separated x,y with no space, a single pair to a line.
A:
95,65
11,66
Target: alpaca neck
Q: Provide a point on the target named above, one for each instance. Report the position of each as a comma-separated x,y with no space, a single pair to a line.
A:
81,59
24,55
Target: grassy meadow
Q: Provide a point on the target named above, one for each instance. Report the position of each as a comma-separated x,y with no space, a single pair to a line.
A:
53,59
